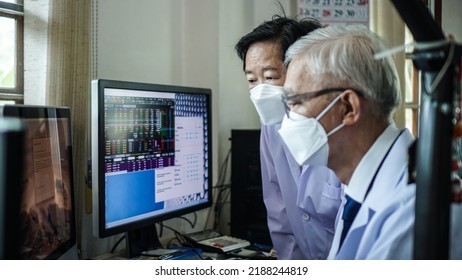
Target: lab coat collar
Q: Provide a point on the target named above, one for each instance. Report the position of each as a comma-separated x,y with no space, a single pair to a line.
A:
364,173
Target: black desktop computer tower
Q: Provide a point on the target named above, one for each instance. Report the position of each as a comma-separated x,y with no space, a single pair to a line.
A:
248,211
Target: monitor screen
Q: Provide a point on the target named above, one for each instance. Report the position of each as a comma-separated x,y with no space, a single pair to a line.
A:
151,154
47,210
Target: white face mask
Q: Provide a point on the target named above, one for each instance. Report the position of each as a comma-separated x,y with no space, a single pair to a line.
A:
267,101
305,137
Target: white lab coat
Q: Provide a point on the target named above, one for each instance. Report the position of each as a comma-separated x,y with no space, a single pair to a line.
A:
381,223
390,234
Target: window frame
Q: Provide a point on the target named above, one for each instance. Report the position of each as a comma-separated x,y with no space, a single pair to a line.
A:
414,104
15,11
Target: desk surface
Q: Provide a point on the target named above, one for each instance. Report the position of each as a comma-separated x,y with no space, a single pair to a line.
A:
240,254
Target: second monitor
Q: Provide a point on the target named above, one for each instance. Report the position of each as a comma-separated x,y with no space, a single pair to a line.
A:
47,224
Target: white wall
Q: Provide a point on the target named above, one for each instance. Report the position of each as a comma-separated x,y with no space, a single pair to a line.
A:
35,50
451,19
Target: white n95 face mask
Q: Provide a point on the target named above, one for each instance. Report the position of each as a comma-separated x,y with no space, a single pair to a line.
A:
305,137
268,102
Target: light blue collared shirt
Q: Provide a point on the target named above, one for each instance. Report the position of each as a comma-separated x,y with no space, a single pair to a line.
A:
301,203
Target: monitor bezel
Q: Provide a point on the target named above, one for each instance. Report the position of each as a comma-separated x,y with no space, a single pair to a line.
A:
22,112
97,148
11,171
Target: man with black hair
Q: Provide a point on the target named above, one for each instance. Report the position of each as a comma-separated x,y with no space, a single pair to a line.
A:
301,201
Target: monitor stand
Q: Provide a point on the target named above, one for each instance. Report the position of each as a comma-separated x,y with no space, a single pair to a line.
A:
142,239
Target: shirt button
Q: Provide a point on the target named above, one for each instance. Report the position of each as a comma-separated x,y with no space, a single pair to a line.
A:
306,216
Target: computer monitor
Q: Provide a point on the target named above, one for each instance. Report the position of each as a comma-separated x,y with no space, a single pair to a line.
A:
11,153
151,157
47,208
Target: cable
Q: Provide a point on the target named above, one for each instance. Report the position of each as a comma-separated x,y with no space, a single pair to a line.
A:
171,240
217,196
195,219
178,234
422,46
220,204
117,244
445,66
183,240
161,230
223,169
187,220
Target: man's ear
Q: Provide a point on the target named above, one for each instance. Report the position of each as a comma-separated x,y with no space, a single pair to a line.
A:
352,101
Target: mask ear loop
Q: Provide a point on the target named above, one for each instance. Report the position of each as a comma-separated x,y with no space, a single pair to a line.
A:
335,129
326,110
328,107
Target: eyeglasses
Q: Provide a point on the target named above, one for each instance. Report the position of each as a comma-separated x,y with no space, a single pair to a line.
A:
299,98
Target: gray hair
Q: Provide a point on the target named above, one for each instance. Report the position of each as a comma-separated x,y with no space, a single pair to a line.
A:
345,54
